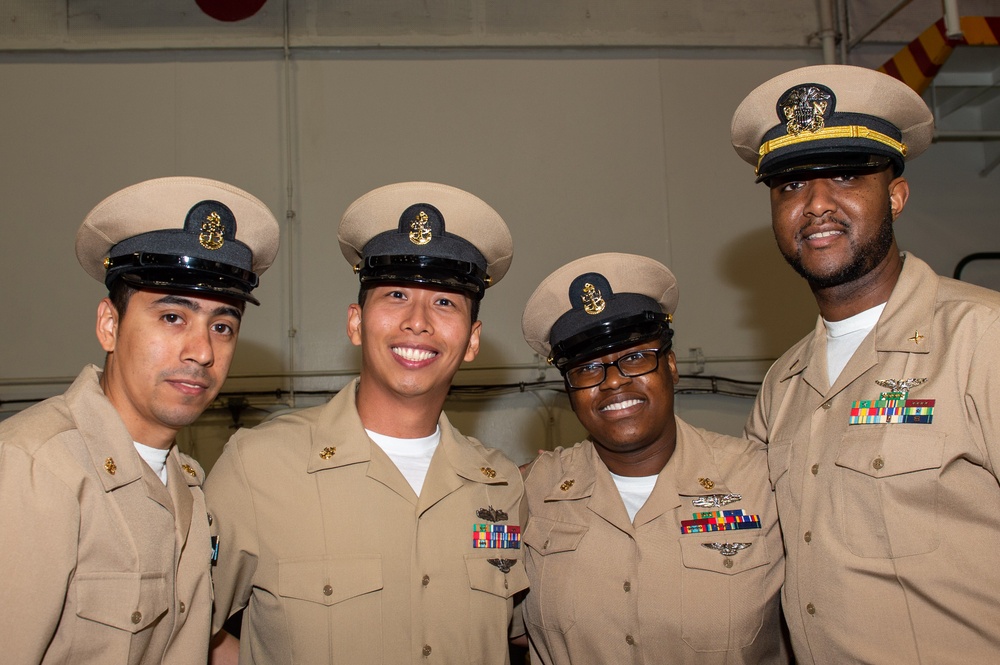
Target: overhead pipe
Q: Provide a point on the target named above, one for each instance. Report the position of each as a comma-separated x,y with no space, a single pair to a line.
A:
828,32
952,19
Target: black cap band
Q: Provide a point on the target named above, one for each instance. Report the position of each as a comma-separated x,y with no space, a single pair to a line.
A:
181,273
450,273
609,335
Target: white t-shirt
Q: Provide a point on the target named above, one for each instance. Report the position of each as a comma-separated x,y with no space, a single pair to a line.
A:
411,456
844,337
156,458
635,490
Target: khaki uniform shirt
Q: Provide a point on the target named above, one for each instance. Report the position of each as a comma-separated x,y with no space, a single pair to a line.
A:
892,530
336,559
605,589
102,563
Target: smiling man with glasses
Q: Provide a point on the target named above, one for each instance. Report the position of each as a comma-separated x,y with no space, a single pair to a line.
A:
652,540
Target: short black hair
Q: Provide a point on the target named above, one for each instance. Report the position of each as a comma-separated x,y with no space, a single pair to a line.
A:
120,293
473,310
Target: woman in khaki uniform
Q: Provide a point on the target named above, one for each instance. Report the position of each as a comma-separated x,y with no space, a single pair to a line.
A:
652,541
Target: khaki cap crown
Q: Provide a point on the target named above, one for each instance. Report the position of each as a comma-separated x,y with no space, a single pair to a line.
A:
180,233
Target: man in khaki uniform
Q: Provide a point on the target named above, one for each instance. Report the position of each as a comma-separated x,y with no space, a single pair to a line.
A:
882,424
105,542
652,541
369,530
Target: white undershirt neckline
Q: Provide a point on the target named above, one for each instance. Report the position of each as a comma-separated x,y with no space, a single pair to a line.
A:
411,456
844,337
634,490
156,458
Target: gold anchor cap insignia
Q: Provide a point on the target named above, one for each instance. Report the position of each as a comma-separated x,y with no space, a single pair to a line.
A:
190,469
328,452
110,466
593,300
420,229
488,472
707,483
566,485
211,232
805,108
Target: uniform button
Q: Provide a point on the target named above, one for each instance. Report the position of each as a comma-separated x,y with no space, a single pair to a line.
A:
629,640
627,586
210,519
808,537
826,406
878,463
810,609
546,545
328,590
136,617
427,650
426,580
815,469
728,563
183,607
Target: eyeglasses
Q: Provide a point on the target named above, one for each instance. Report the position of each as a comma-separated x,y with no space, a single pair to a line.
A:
631,365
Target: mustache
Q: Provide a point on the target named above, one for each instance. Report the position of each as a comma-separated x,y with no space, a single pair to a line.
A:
189,374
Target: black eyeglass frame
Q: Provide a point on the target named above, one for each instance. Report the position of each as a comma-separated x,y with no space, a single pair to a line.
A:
657,352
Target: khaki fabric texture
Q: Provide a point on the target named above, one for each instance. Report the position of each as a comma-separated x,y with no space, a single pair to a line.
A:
337,560
892,531
607,590
100,567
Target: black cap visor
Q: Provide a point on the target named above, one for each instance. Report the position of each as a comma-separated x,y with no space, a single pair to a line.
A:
823,162
608,336
182,273
448,273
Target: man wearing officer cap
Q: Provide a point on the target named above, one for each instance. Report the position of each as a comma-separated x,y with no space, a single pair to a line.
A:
652,540
106,541
369,530
883,424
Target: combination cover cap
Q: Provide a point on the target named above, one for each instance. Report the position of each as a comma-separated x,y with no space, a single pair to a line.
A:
181,233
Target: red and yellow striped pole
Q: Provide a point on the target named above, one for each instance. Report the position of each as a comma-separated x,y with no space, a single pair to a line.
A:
919,61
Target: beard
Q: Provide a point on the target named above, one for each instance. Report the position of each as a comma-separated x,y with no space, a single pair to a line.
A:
866,256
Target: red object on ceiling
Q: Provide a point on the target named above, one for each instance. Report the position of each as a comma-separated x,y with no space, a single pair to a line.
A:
230,10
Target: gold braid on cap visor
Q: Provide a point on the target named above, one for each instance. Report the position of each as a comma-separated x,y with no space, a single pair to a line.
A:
844,132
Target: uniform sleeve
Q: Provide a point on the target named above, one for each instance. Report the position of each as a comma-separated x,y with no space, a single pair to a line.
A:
234,525
39,533
756,428
983,396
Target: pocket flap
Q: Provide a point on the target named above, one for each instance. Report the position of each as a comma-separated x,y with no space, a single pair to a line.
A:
549,537
486,576
328,581
901,449
708,553
127,601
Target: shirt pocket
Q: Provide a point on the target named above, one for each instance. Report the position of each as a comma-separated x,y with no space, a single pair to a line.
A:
491,602
122,609
331,601
489,578
131,602
710,581
329,581
551,563
889,479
